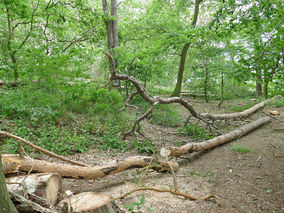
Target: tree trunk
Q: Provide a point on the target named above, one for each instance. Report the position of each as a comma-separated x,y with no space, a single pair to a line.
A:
177,90
6,204
222,90
265,88
112,31
206,83
258,85
178,87
77,172
209,144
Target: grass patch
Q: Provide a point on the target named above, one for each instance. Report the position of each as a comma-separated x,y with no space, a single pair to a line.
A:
165,115
277,103
241,149
195,132
240,107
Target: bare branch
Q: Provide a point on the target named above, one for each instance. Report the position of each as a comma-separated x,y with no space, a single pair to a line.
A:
31,26
41,149
148,112
132,95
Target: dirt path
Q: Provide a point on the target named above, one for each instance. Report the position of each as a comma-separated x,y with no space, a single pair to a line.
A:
244,182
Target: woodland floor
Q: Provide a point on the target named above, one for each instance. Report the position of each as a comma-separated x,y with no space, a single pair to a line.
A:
243,182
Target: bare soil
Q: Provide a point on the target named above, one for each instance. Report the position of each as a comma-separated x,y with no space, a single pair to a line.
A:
243,182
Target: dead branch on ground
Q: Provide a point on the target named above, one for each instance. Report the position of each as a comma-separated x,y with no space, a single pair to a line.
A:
242,114
187,196
197,147
7,134
14,164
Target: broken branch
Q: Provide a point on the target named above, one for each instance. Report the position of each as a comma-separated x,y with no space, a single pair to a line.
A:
7,134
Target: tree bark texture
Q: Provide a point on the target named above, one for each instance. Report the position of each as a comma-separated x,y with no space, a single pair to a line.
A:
27,164
242,114
206,82
26,205
258,84
111,23
209,144
6,204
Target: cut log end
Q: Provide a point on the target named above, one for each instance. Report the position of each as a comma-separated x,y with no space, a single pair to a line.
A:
43,185
89,202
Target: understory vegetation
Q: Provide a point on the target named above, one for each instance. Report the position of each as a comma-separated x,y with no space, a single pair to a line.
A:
75,118
54,88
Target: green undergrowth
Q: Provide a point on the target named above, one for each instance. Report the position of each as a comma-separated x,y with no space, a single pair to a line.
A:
165,115
66,119
195,132
241,149
277,103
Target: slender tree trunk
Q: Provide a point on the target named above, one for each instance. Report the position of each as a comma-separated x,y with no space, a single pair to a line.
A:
112,30
12,53
258,83
206,83
181,70
178,87
270,76
6,204
114,23
265,88
222,89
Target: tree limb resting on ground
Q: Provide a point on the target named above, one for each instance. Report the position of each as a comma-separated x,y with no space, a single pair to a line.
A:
7,134
197,147
77,172
242,114
187,196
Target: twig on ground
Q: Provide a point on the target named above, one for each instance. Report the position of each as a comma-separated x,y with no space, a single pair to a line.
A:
187,196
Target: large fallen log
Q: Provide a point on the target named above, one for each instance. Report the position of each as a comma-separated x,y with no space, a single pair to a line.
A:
242,114
197,147
43,185
27,164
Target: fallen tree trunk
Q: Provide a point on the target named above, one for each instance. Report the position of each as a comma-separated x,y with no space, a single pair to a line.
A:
27,164
242,114
43,185
197,147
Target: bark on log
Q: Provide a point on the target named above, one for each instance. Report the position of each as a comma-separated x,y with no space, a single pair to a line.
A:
43,185
242,114
25,205
76,172
89,202
197,147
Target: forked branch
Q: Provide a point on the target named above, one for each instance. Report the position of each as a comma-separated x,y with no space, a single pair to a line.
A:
150,99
